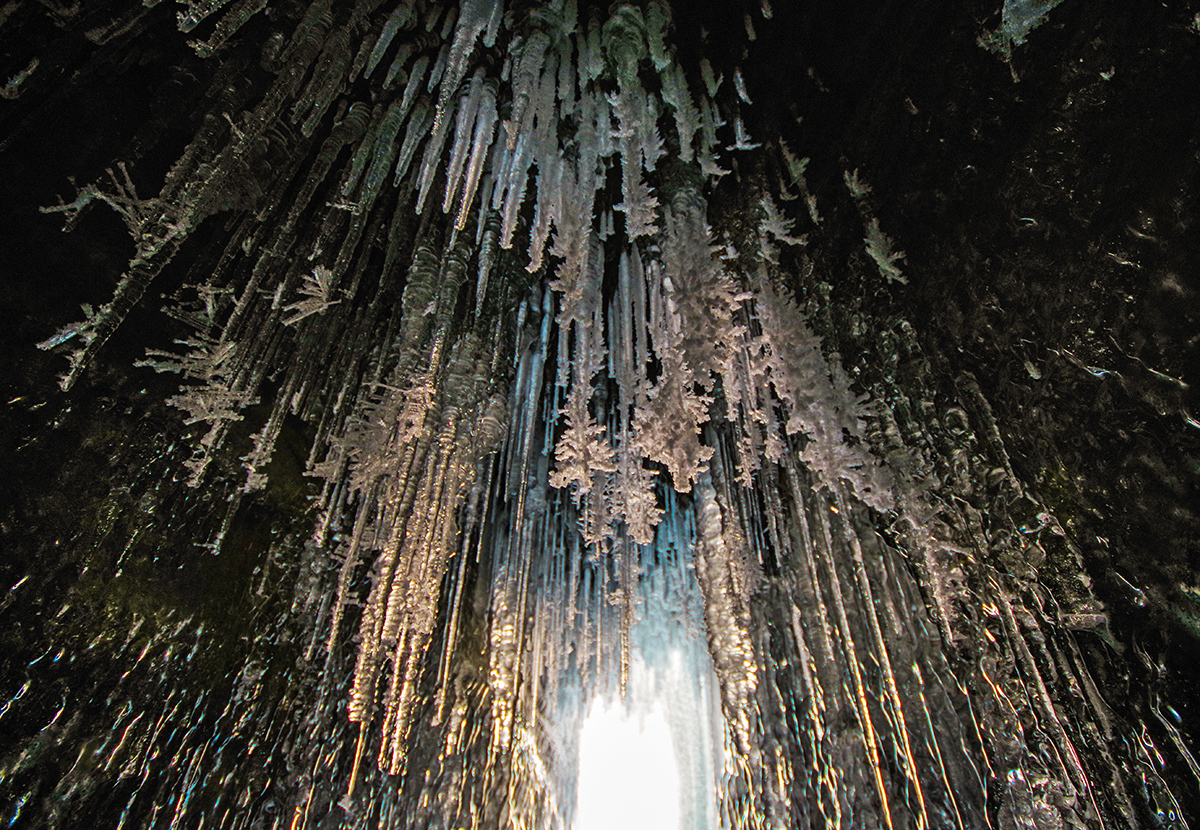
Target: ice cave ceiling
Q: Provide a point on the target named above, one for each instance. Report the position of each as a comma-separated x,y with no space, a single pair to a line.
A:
434,409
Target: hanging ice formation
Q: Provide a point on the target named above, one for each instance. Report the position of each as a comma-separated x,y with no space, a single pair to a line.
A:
549,402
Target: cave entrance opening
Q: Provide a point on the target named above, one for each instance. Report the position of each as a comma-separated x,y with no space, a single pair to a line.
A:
628,775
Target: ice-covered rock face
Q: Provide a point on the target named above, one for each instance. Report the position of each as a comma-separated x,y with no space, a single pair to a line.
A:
588,475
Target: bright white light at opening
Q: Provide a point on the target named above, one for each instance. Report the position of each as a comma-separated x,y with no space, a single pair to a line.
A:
628,779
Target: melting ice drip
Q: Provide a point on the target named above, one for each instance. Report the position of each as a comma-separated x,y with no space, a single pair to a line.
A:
544,457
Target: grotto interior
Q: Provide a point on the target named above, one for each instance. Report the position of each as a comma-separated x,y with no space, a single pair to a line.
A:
566,414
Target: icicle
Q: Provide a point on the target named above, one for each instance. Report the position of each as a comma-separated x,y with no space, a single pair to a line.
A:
481,142
464,132
658,17
230,23
383,147
430,162
196,12
474,17
397,67
401,17
740,85
710,122
711,82
687,118
487,255
512,195
726,620
416,77
547,211
526,81
325,83
417,129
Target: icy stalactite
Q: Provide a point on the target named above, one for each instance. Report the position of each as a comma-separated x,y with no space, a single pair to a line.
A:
727,614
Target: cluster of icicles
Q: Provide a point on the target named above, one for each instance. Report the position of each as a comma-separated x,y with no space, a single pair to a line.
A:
630,402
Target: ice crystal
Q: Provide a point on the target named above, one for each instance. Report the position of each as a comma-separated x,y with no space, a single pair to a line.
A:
879,248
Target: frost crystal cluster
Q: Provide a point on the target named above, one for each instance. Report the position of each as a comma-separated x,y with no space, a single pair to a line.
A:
567,426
